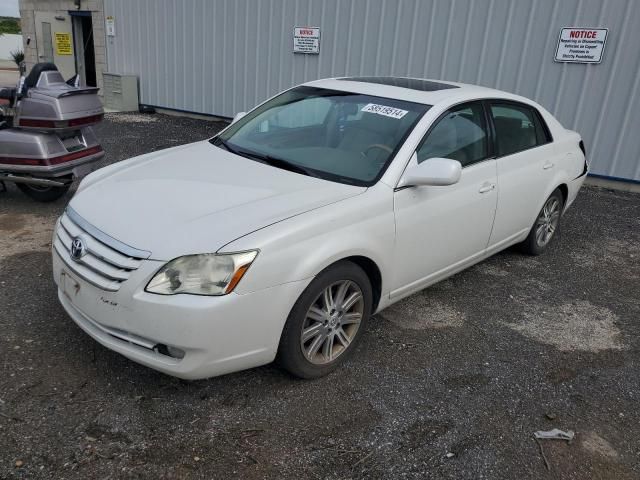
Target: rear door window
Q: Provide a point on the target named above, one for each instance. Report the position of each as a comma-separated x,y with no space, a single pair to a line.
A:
518,127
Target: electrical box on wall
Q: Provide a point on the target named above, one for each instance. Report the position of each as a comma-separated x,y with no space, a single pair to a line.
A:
120,92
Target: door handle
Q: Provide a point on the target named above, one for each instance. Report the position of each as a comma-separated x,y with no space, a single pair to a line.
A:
487,188
547,166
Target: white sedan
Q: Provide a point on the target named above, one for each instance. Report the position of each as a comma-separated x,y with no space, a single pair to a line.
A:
282,235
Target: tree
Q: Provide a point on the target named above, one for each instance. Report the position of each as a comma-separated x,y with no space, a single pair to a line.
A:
9,25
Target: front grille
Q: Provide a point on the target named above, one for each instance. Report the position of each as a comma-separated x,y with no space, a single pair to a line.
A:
106,262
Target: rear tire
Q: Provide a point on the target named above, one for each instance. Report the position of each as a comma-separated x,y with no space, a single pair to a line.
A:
326,322
545,227
43,194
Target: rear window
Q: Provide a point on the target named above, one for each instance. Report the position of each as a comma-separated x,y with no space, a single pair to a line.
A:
518,127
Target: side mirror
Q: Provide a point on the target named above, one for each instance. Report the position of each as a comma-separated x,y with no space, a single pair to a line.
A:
238,116
434,171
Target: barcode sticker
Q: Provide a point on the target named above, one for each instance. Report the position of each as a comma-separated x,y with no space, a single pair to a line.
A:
384,110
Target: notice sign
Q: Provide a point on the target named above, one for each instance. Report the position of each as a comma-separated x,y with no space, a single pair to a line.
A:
581,45
306,40
63,43
110,26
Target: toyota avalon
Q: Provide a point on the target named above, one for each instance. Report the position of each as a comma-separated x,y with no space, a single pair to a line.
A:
280,237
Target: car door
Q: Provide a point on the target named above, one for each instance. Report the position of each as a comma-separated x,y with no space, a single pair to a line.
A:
526,163
441,229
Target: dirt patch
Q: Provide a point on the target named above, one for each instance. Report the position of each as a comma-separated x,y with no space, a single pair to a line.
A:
420,312
11,222
491,270
573,326
24,233
525,263
580,460
614,251
594,443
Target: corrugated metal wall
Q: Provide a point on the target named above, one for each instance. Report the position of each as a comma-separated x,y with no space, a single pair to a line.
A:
223,56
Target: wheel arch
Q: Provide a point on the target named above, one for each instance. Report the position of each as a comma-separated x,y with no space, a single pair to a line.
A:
564,189
373,272
559,183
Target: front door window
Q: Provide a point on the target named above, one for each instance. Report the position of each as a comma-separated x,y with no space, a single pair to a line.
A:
460,135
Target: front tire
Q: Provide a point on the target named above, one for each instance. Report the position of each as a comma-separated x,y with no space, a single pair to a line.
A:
43,194
326,322
545,226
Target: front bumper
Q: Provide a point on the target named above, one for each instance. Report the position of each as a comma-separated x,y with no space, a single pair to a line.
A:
218,335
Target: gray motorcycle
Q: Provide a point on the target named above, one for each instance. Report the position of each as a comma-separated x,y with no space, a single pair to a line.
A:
46,140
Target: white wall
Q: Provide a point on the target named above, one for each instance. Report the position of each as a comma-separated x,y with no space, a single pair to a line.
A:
9,43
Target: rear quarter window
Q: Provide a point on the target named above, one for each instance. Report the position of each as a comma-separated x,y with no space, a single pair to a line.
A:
542,130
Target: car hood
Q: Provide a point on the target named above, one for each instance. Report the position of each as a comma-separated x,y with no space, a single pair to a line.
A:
196,198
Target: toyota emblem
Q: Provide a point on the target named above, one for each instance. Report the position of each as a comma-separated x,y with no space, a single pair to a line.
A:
78,249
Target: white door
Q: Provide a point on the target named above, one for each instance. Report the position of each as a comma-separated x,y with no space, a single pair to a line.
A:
54,41
526,165
443,229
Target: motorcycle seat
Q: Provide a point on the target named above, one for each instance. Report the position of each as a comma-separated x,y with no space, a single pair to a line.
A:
34,75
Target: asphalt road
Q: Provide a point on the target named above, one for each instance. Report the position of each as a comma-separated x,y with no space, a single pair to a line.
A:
450,383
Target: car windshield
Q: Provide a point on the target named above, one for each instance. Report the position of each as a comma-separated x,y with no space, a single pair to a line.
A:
340,136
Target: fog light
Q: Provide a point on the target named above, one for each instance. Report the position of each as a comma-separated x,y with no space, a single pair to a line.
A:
169,351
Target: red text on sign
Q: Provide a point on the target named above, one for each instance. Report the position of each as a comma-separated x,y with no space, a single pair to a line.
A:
582,34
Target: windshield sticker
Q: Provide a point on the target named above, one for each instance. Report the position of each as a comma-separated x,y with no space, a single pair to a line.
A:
383,110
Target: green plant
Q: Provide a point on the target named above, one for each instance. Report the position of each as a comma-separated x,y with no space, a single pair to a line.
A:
9,25
18,56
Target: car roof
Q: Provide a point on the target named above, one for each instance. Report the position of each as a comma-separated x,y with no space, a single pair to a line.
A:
404,82
418,90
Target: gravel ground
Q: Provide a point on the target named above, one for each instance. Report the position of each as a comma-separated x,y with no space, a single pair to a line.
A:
450,383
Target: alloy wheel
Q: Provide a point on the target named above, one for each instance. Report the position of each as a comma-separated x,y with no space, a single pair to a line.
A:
547,222
332,322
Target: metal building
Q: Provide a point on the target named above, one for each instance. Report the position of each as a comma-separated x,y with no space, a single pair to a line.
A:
223,56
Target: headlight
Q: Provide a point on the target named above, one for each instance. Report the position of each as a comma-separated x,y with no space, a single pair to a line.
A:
205,274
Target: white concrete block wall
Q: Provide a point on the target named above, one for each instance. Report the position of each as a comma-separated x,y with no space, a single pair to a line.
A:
9,43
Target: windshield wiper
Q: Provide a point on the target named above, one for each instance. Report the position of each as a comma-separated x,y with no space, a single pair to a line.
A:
218,141
269,160
284,164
